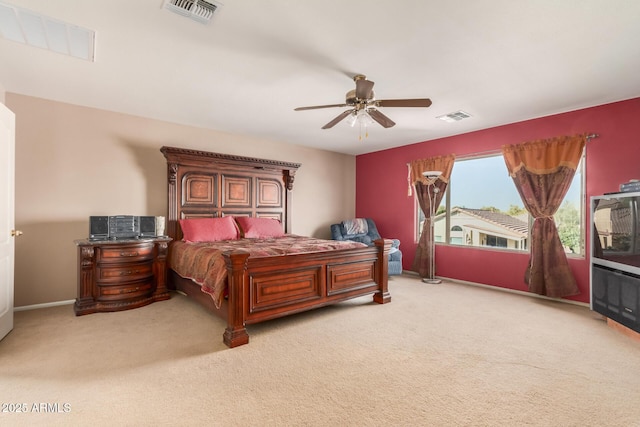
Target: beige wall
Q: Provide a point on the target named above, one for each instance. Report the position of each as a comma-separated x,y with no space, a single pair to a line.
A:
73,162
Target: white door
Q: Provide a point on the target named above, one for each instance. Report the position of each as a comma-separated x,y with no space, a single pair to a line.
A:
7,211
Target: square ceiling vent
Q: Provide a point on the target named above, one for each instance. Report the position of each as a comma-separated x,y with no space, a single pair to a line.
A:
198,10
456,116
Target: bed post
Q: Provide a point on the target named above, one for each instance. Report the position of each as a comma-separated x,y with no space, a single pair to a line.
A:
236,333
288,176
382,274
172,213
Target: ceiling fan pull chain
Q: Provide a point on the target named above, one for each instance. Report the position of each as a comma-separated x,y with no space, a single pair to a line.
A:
366,131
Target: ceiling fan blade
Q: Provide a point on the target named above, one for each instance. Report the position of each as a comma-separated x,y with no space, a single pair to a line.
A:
335,121
381,118
424,102
364,88
315,107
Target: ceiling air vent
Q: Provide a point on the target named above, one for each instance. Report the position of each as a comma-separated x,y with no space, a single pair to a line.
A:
454,117
198,10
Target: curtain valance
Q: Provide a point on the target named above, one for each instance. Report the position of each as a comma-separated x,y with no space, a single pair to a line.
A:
544,156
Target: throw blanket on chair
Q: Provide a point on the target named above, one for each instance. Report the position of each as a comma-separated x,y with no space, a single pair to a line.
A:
355,226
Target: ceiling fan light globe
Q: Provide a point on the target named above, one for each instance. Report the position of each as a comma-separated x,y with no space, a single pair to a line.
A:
352,119
364,118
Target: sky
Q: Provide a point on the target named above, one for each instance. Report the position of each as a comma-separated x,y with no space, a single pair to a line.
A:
483,182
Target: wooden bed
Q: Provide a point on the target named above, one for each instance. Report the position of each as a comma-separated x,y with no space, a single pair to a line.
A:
205,184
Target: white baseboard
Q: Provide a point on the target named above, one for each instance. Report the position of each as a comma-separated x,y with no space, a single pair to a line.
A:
44,305
407,272
498,288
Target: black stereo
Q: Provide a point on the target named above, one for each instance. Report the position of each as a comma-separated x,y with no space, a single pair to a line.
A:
121,227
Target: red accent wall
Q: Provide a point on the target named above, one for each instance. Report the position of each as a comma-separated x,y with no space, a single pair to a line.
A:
611,159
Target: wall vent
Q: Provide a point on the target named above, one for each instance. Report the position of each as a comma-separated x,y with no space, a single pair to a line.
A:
456,116
198,10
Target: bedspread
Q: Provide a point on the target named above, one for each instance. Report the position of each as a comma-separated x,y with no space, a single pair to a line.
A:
204,263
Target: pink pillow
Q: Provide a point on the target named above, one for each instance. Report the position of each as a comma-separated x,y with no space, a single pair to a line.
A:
259,227
208,229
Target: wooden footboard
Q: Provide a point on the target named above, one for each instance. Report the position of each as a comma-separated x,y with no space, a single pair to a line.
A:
260,289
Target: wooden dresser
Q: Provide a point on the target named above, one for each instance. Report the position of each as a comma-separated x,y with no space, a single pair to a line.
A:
120,275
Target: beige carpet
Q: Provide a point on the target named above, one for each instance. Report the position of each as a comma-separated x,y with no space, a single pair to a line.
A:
437,355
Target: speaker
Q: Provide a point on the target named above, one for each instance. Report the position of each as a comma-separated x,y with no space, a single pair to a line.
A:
629,297
599,283
147,226
613,293
98,227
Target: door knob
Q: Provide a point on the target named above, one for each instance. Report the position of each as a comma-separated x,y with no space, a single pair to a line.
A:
16,233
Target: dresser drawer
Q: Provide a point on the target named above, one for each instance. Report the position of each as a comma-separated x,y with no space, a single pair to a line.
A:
125,253
120,291
124,273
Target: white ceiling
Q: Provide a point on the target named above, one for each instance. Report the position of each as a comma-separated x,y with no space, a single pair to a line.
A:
501,61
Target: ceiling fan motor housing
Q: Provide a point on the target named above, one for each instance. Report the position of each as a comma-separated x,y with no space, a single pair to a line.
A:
352,99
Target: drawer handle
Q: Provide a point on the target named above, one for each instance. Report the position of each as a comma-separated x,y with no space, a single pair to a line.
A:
128,253
129,272
128,291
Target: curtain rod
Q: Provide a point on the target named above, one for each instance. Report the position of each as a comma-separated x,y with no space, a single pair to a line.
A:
487,153
497,150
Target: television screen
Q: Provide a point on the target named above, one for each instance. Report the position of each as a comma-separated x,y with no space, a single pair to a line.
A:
616,229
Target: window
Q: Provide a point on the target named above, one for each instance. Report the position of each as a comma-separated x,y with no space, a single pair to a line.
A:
496,241
483,208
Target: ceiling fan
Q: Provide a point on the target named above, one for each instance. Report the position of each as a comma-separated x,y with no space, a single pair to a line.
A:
362,100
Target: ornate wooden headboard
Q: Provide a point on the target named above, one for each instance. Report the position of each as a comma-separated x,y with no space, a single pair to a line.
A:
205,184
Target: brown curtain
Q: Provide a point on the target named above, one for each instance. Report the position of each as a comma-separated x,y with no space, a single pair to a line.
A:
542,172
427,196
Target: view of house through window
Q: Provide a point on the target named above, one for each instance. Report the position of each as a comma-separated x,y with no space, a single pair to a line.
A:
483,208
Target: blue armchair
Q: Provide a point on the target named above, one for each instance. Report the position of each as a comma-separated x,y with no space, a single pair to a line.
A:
367,235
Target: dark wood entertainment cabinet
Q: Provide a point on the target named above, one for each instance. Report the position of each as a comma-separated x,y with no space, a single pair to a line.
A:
115,275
